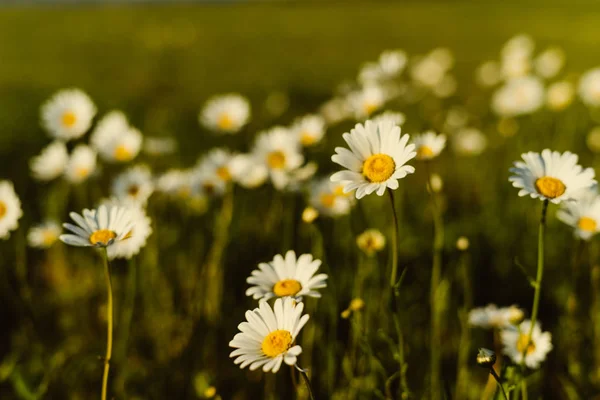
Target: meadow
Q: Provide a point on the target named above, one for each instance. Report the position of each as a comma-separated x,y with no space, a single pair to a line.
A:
402,312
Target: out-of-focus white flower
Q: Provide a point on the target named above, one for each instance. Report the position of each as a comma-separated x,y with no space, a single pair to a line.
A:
366,101
589,88
393,117
136,237
549,63
249,171
226,113
370,241
429,145
559,95
329,198
593,140
370,73
44,235
469,142
10,209
68,114
336,110
215,171
521,45
81,165
516,341
515,66
443,56
582,215
427,72
488,74
492,317
115,140
392,62
159,146
446,87
309,129
133,186
518,96
51,162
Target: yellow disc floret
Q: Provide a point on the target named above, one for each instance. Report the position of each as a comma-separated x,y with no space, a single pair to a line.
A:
276,159
225,122
2,209
424,152
103,237
378,168
307,139
550,187
524,341
328,200
68,119
276,342
122,153
224,174
587,224
287,287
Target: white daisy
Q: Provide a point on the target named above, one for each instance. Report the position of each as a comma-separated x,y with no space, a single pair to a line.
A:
214,171
249,171
469,141
287,276
488,74
136,237
551,176
376,159
392,62
516,341
81,165
51,162
370,74
329,198
589,88
521,44
515,65
44,235
428,71
225,113
396,118
429,145
366,101
549,62
133,186
98,228
10,209
115,140
68,114
518,96
309,129
371,241
280,152
268,335
559,95
294,180
175,182
583,215
492,317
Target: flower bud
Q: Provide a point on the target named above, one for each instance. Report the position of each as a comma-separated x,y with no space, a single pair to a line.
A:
486,358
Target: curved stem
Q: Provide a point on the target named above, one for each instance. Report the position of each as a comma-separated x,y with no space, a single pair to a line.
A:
109,326
497,378
306,382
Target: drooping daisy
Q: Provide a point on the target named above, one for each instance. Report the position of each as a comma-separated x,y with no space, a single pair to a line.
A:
309,129
280,152
370,241
366,101
51,162
469,142
267,337
81,165
589,88
492,317
136,237
551,176
396,118
519,96
429,145
559,95
329,198
44,235
115,140
549,62
10,209
134,186
68,114
287,276
516,341
98,228
226,113
376,159
583,215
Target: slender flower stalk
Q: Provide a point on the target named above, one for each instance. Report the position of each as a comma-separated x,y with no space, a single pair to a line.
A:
306,382
109,326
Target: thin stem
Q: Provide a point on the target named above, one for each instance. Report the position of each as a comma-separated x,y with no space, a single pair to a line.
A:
109,327
497,378
306,382
394,241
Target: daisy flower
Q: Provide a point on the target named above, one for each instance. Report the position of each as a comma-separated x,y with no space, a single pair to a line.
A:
81,165
225,113
516,341
68,114
287,276
583,215
396,118
551,176
280,152
309,129
51,162
589,88
488,74
329,198
427,71
392,62
492,317
549,62
559,95
214,171
98,228
519,96
134,186
267,337
44,235
370,241
366,101
136,237
10,209
429,145
115,140
249,171
175,182
469,142
376,159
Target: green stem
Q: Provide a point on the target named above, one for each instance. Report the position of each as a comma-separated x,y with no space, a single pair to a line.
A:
394,246
306,382
109,327
497,378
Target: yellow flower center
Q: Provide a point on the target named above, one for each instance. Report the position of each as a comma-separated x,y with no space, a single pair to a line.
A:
378,168
339,191
225,122
2,209
287,287
587,224
307,139
102,237
550,187
328,199
276,159
369,107
48,238
276,342
133,190
122,153
68,119
424,152
524,341
82,172
224,174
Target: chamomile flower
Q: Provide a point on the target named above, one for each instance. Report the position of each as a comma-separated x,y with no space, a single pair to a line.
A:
287,277
81,165
51,162
134,186
492,317
488,74
376,159
583,215
549,62
366,101
519,96
329,198
429,145
68,114
396,118
589,88
225,113
176,183
559,95
516,341
214,171
370,241
392,62
551,176
44,235
249,171
115,140
98,228
10,209
267,337
469,142
280,152
136,237
309,129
